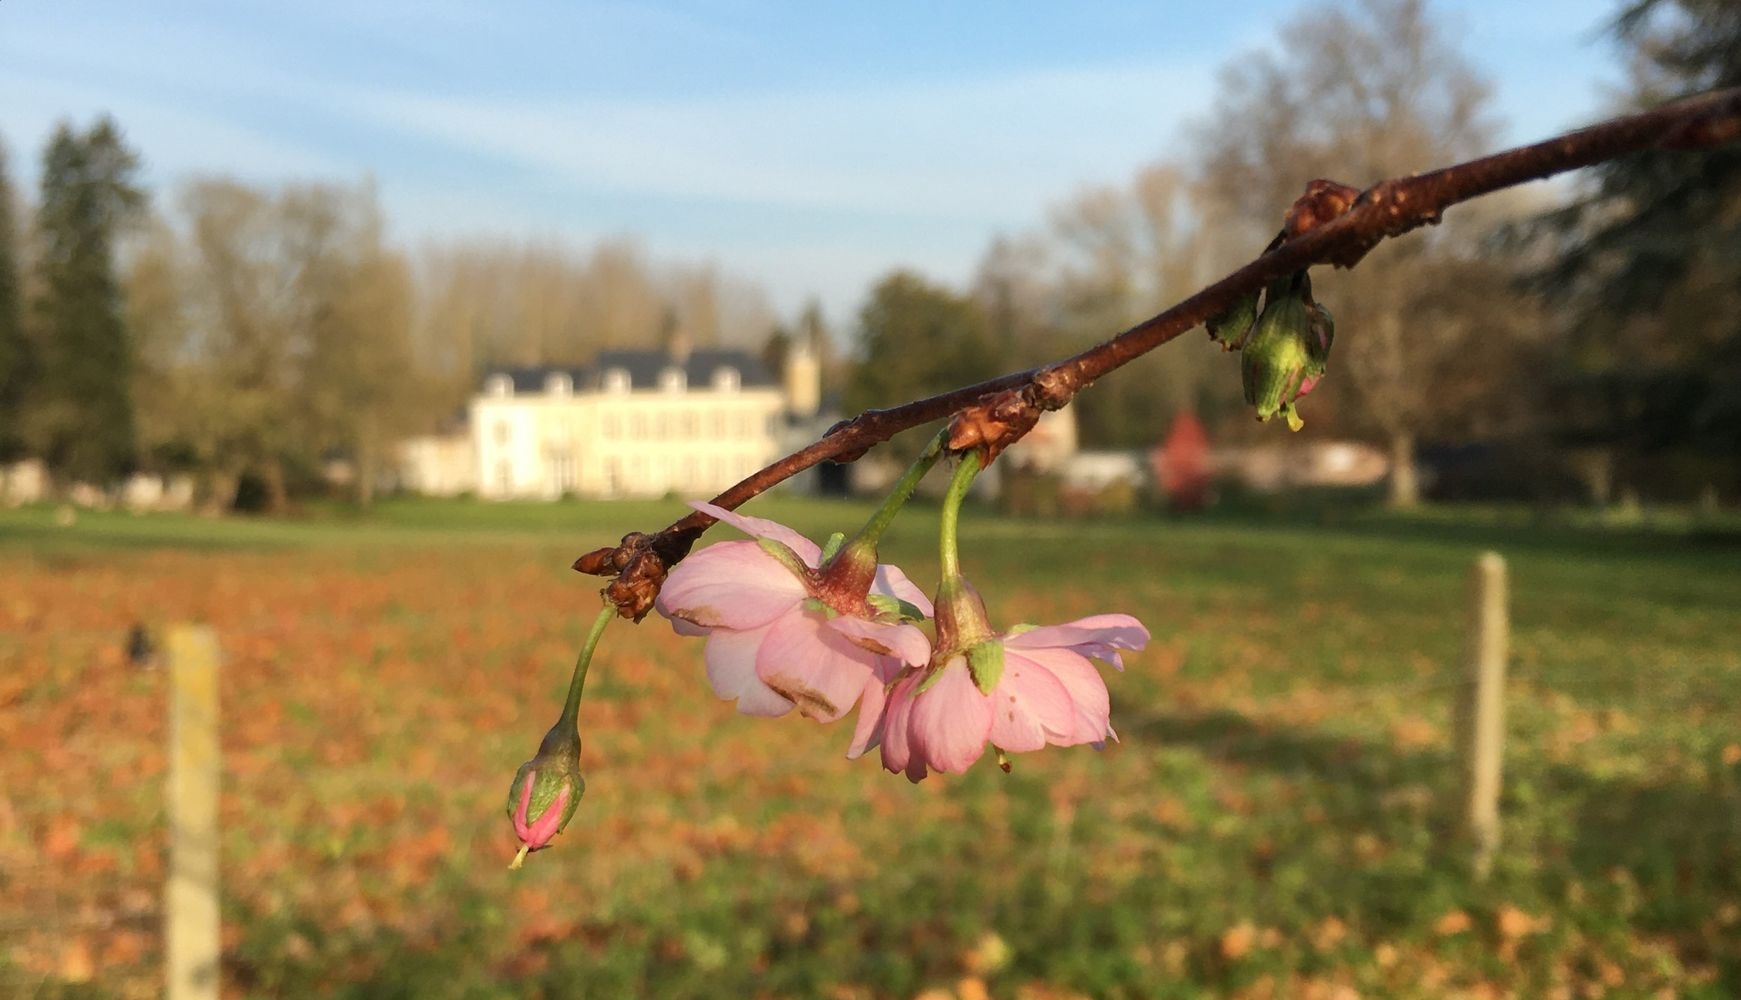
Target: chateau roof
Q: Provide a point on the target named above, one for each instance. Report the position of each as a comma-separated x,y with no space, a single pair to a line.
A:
643,368
532,380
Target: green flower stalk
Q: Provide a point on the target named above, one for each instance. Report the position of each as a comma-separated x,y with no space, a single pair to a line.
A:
547,789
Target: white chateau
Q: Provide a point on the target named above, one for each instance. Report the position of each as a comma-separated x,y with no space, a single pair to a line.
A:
633,423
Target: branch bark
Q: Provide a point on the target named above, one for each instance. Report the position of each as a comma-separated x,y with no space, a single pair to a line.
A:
1324,227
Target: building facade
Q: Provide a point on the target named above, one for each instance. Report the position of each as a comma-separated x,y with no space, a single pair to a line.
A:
634,423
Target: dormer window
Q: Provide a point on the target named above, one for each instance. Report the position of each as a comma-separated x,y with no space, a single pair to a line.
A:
726,379
616,380
673,380
559,384
499,385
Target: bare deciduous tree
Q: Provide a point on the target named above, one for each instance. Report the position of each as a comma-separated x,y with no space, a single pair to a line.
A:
277,336
1359,93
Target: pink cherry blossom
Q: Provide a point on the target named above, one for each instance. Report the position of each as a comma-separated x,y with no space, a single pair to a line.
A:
784,630
938,719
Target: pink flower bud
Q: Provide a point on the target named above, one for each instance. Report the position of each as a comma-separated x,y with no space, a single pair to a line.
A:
546,791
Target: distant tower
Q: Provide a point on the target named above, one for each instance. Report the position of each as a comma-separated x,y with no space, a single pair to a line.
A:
803,379
678,344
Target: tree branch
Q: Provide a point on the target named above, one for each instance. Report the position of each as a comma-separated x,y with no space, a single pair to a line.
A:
1328,225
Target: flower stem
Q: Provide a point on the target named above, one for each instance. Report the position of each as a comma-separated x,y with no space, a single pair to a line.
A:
902,491
571,708
946,533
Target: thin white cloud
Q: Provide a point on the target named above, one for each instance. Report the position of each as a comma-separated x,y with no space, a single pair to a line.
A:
977,149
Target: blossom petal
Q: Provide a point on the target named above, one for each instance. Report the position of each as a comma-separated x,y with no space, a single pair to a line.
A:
731,669
683,626
1099,636
871,717
951,720
897,719
903,642
759,527
730,585
891,581
813,665
1090,705
1029,704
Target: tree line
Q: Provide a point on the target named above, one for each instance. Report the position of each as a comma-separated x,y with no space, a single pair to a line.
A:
247,334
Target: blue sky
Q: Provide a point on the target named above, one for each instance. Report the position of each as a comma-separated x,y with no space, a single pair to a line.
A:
811,147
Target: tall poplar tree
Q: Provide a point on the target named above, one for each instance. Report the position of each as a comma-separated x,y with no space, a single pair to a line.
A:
14,349
80,402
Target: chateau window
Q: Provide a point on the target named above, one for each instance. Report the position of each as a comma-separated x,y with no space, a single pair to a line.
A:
727,379
559,384
561,470
691,423
499,385
617,380
673,380
613,426
504,431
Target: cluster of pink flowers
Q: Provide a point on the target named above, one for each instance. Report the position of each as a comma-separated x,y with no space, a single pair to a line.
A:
788,627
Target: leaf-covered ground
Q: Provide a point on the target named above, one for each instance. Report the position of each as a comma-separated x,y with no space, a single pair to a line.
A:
1279,819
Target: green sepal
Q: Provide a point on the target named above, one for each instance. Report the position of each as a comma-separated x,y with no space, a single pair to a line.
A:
891,608
985,663
830,547
1229,328
785,556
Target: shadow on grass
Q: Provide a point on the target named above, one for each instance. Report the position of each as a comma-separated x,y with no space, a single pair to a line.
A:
1545,531
1677,841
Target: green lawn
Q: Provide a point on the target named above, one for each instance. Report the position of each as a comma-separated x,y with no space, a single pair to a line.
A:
1278,819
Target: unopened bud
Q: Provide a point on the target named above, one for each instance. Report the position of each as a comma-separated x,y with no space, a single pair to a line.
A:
1286,354
546,791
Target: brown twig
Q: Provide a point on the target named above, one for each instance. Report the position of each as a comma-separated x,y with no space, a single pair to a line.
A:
1323,227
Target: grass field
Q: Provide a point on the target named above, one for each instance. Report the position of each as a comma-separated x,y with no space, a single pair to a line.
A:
1278,820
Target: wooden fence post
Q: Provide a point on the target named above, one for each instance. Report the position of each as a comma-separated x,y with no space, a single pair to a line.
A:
1481,709
190,911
